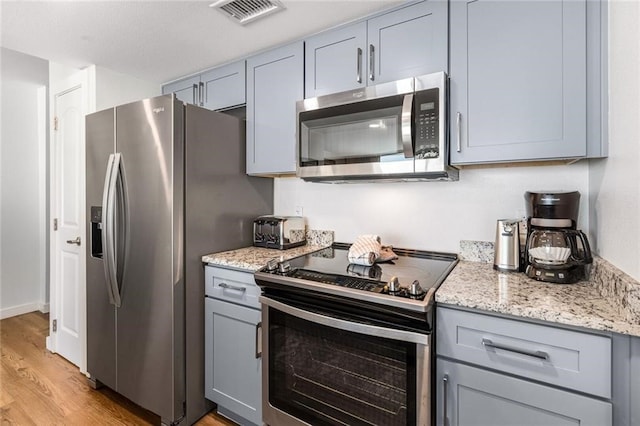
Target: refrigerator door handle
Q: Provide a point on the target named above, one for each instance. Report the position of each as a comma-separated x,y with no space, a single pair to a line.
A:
120,221
107,228
114,185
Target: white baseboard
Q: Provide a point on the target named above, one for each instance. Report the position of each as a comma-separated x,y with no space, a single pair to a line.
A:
43,307
19,310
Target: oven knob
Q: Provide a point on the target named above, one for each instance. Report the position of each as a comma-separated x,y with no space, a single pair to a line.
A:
284,267
415,289
272,265
394,285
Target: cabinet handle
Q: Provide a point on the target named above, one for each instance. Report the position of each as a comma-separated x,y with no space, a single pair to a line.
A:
233,287
195,94
372,62
459,124
359,66
201,93
445,387
536,354
258,342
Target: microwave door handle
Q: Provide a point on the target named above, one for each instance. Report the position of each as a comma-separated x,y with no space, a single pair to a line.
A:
405,119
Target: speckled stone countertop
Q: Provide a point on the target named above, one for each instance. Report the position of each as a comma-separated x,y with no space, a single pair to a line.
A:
254,258
609,301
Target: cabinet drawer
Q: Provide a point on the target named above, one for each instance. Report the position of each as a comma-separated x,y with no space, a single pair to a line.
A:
473,396
557,356
233,286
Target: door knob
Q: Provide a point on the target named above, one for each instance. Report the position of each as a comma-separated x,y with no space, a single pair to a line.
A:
76,241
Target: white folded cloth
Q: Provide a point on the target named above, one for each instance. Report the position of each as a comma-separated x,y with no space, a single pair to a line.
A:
366,250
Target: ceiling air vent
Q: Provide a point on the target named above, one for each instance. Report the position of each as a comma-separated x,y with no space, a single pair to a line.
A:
245,11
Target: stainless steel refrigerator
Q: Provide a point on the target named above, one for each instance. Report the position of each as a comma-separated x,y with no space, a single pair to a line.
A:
166,184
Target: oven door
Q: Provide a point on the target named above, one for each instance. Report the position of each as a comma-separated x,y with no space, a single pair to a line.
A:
325,369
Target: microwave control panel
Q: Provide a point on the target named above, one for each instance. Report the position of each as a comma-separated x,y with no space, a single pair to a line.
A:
427,124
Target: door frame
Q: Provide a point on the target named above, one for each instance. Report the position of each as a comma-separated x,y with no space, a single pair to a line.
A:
76,81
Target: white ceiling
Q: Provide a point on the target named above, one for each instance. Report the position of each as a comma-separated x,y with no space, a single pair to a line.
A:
160,41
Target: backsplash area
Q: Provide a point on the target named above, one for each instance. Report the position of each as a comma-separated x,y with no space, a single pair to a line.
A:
427,215
615,284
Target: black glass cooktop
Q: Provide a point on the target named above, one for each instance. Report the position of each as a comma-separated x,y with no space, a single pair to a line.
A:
330,270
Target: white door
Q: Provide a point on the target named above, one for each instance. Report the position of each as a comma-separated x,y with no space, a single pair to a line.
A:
68,239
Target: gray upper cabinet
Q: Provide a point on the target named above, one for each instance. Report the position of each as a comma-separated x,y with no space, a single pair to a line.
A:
335,61
274,85
518,80
186,89
403,43
224,87
407,42
219,88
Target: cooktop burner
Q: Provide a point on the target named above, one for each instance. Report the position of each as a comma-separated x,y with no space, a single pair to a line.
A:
408,282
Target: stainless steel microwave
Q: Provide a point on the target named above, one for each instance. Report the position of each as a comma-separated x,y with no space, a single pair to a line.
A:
392,131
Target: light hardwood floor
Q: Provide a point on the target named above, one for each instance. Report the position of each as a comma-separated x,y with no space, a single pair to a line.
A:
41,388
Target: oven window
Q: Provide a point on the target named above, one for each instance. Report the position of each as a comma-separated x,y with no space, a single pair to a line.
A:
327,376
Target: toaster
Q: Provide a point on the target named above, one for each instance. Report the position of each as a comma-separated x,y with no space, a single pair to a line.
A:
279,232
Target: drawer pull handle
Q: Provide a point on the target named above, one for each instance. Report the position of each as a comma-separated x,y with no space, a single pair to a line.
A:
536,354
258,340
445,385
233,287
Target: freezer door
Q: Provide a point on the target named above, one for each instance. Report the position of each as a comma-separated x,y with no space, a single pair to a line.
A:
150,320
101,315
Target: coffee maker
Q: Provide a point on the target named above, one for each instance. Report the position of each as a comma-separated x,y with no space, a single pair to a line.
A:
555,250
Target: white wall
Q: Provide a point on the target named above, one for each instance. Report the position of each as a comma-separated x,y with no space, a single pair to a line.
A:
112,88
22,183
428,215
615,181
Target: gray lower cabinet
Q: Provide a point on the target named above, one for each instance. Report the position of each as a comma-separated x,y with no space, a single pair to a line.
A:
525,80
219,88
498,371
406,42
635,381
274,84
233,364
469,395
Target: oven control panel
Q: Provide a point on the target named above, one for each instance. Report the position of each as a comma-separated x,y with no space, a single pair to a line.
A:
392,288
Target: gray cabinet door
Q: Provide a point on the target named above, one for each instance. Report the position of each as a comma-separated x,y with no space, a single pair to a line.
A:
518,80
186,90
233,372
274,85
472,396
224,87
407,42
635,381
335,61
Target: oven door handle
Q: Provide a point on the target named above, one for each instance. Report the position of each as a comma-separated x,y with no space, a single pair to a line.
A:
355,327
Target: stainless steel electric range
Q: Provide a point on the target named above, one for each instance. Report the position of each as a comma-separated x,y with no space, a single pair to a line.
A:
346,344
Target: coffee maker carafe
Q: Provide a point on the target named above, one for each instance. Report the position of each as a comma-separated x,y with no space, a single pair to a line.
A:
555,250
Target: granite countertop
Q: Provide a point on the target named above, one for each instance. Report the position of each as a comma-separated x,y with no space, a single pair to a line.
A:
254,258
609,301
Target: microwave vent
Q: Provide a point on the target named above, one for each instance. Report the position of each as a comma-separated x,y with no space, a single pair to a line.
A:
245,11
